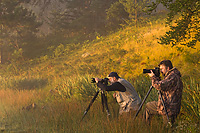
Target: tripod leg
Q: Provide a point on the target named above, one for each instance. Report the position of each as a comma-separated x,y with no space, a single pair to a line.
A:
102,101
143,102
105,102
93,99
164,108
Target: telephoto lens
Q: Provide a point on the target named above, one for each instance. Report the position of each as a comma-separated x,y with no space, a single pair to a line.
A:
156,71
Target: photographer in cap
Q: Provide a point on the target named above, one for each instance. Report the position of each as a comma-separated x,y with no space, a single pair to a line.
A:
125,95
171,90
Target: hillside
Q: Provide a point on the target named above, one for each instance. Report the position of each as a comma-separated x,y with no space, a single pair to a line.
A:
127,51
50,93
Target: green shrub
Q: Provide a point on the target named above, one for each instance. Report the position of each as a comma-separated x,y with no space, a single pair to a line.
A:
79,87
21,83
191,100
59,51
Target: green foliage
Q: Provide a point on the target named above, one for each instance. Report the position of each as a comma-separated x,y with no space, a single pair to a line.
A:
79,87
59,51
82,17
186,29
193,58
116,16
17,55
85,17
30,84
135,8
25,83
18,25
191,100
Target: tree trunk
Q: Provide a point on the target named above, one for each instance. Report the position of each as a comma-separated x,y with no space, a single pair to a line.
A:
2,61
135,13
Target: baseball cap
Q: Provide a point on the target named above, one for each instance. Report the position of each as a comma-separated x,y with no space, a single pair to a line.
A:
113,74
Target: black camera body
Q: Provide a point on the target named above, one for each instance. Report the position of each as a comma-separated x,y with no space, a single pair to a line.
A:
104,81
156,71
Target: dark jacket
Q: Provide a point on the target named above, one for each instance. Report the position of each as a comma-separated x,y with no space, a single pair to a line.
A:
126,95
171,89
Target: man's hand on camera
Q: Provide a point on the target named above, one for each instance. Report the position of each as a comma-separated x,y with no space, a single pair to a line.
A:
151,74
114,95
97,80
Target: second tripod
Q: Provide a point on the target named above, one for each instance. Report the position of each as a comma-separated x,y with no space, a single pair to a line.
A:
161,101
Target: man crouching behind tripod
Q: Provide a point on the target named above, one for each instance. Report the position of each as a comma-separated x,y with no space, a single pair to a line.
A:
171,89
125,95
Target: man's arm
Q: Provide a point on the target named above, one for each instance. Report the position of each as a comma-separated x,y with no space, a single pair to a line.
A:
114,87
165,84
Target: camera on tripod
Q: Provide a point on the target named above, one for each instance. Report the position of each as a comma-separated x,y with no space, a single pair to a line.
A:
156,71
104,81
103,98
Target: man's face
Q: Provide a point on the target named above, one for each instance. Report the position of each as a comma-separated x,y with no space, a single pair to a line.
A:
164,69
112,80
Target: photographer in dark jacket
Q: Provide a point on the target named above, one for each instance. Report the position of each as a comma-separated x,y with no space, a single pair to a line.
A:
171,89
125,95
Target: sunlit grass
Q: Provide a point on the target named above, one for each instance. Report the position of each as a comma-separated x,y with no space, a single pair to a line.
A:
63,116
54,113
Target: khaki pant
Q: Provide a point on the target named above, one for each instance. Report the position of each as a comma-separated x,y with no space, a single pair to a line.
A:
128,109
127,115
151,109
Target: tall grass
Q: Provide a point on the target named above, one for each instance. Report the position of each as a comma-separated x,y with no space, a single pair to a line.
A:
62,116
55,112
191,102
79,87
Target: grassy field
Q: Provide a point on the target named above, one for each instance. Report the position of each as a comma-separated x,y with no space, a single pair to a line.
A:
42,111
51,93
